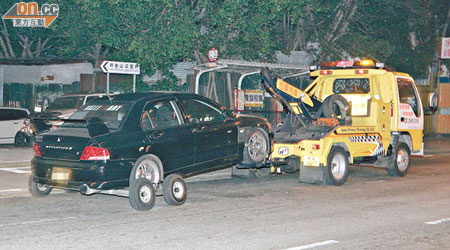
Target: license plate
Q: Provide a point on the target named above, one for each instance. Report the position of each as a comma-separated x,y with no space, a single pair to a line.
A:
60,174
311,161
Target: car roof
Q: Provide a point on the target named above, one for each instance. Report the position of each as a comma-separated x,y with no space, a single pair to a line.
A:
134,97
15,108
83,94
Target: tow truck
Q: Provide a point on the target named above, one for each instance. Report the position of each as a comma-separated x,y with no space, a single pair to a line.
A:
352,112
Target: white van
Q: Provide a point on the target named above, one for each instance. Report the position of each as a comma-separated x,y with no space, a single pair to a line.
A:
15,126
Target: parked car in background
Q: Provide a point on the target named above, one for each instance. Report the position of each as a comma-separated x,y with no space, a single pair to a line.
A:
64,106
145,142
15,126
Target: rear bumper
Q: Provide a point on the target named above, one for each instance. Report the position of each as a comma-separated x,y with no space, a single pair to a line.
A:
101,175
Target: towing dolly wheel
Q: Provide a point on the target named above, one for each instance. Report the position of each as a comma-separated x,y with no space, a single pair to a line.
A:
336,171
142,195
38,189
400,161
256,147
174,190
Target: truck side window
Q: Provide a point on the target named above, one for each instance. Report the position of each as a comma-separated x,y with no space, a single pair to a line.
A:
407,94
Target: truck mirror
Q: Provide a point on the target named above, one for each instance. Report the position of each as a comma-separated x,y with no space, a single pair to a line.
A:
433,101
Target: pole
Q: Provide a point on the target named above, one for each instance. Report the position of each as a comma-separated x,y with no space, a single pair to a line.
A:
107,83
134,83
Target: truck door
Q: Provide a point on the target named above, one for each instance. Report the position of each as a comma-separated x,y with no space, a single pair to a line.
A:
410,107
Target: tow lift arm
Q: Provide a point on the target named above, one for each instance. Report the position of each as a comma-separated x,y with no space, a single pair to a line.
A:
290,97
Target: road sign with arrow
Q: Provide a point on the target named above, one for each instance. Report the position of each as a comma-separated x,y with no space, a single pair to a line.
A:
114,67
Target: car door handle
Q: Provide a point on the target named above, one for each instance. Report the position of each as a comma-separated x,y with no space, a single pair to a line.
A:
229,131
155,135
198,129
16,123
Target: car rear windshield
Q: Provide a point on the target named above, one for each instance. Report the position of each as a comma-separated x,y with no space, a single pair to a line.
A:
112,114
67,102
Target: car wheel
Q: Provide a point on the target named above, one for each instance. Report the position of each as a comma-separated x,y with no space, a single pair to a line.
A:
336,171
400,161
21,140
146,167
174,190
38,189
142,195
257,147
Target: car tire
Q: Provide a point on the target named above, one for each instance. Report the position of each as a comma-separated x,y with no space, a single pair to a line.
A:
336,171
174,190
21,140
332,102
400,162
142,195
147,167
37,189
256,147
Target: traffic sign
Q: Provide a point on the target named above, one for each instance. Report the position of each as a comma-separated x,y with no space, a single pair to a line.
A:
213,54
445,48
120,67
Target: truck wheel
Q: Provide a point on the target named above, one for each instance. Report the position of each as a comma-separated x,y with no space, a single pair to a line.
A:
292,166
142,195
400,161
336,171
174,190
257,147
38,189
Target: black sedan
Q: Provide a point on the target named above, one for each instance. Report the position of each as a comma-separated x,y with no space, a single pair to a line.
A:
141,143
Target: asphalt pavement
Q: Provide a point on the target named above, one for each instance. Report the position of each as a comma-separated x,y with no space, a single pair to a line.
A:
370,211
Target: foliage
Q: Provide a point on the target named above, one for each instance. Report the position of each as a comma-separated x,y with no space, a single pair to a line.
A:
159,33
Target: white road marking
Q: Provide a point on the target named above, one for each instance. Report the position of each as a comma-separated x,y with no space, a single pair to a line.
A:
10,197
18,170
209,177
29,195
313,245
437,155
35,222
437,221
11,190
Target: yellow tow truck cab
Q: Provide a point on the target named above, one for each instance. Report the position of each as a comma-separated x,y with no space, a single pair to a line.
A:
384,123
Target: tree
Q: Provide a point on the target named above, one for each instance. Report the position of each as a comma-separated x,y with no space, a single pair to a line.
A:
22,42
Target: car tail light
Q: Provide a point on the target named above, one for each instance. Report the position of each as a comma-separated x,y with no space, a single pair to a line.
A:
36,150
315,146
94,154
